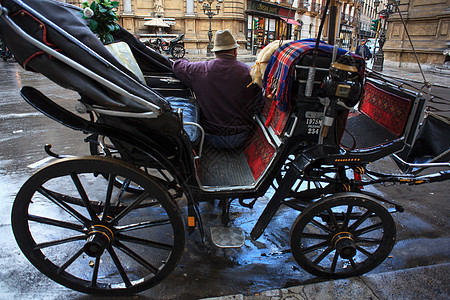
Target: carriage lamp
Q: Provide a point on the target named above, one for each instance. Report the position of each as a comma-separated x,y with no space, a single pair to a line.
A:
208,10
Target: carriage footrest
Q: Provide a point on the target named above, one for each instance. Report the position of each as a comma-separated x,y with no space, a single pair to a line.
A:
227,237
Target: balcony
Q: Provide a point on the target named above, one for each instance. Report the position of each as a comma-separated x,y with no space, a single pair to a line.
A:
303,6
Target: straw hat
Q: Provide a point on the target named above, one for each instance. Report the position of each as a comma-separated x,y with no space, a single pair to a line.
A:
224,40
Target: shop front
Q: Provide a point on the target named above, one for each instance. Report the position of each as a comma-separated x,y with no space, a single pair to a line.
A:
346,36
267,22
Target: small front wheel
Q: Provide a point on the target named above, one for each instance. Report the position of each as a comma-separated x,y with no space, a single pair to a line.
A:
93,236
343,235
177,51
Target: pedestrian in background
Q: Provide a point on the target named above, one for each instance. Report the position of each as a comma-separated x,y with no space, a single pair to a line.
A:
363,51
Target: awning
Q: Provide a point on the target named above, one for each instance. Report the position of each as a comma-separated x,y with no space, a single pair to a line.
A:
156,22
291,21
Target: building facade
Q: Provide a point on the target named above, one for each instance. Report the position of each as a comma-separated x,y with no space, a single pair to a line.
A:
268,21
254,23
427,22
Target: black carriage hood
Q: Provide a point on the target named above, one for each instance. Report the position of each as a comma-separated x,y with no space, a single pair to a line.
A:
68,18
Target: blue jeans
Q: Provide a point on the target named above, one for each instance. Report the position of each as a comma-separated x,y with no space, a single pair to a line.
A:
226,141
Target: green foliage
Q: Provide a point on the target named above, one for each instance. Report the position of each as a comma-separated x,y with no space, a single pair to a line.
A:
102,18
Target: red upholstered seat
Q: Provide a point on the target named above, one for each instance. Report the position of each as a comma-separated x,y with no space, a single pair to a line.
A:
385,108
259,153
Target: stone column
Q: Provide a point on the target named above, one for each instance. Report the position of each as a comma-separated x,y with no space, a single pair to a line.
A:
127,7
190,23
128,16
190,8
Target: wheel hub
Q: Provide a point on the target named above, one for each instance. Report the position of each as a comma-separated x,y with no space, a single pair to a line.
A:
344,244
99,237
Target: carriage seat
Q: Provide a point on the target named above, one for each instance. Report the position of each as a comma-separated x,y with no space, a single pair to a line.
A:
122,52
190,111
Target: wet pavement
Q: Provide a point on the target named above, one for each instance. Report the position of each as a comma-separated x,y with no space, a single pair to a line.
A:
423,230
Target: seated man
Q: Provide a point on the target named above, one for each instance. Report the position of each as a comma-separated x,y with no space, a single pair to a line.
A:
226,97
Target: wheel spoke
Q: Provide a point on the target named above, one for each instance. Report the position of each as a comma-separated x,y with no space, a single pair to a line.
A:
123,189
320,225
145,242
364,251
119,266
298,186
70,261
323,255
162,174
59,242
136,257
129,208
57,223
333,218
95,272
368,229
84,196
70,199
347,217
360,240
316,236
353,264
334,263
111,180
314,247
142,225
60,202
360,220
317,184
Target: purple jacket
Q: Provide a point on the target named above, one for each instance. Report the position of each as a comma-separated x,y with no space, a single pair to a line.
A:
226,103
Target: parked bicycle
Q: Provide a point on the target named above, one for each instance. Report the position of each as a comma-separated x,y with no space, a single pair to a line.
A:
174,47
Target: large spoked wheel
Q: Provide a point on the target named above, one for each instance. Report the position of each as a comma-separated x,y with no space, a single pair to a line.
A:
343,235
177,51
91,236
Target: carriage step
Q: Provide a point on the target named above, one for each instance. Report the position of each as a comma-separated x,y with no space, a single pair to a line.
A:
227,237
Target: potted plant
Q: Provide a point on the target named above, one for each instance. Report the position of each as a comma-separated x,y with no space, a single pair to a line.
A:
102,18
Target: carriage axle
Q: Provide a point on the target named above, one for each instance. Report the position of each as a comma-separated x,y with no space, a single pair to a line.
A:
99,237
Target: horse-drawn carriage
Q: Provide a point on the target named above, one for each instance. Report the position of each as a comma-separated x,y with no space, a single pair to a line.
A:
111,223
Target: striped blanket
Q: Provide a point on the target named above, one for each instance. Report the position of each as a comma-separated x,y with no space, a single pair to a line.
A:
279,75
